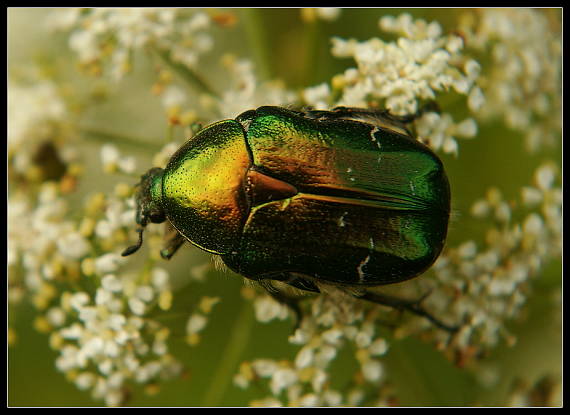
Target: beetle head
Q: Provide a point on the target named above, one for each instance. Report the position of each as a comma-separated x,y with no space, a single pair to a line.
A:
147,197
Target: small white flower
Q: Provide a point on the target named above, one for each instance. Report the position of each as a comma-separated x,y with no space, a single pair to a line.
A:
332,336
378,347
363,339
544,177
73,245
241,381
85,380
531,196
111,283
145,293
160,278
112,349
109,154
372,370
267,309
105,366
264,367
116,321
79,300
85,44
159,348
94,346
325,355
317,96
75,331
173,96
304,357
137,306
533,224
282,378
319,380
56,316
88,314
199,21
196,323
328,13
476,99
108,263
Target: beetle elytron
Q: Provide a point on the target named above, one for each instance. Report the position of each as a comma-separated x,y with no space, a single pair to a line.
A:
345,197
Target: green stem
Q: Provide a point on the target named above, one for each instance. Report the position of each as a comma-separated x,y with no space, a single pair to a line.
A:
237,342
186,73
119,139
311,35
257,39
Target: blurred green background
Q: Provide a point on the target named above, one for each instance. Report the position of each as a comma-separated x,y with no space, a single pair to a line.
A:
419,374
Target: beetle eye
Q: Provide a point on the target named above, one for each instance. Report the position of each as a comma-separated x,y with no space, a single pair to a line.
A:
156,217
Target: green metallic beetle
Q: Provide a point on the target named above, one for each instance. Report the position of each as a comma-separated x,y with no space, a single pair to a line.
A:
344,197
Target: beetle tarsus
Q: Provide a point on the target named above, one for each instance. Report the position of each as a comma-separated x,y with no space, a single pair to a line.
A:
134,248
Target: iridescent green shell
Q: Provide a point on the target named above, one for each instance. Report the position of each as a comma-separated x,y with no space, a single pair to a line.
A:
276,193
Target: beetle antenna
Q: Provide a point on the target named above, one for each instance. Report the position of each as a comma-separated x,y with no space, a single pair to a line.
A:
134,248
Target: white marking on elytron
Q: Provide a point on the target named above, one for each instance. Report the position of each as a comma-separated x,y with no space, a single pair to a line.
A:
340,221
349,170
374,140
360,267
372,244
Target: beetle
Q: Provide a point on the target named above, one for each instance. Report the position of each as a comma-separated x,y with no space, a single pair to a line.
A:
346,197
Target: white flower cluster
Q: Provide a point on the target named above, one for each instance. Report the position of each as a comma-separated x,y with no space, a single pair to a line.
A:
105,34
35,231
439,131
113,161
100,319
492,279
104,339
523,86
36,113
246,91
335,320
110,342
416,67
400,75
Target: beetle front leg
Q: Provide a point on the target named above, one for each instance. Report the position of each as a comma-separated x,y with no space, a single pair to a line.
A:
174,240
413,306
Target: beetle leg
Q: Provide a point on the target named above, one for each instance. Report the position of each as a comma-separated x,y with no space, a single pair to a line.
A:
430,106
413,306
174,240
381,118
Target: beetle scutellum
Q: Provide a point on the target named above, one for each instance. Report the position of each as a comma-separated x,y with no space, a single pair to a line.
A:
344,197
